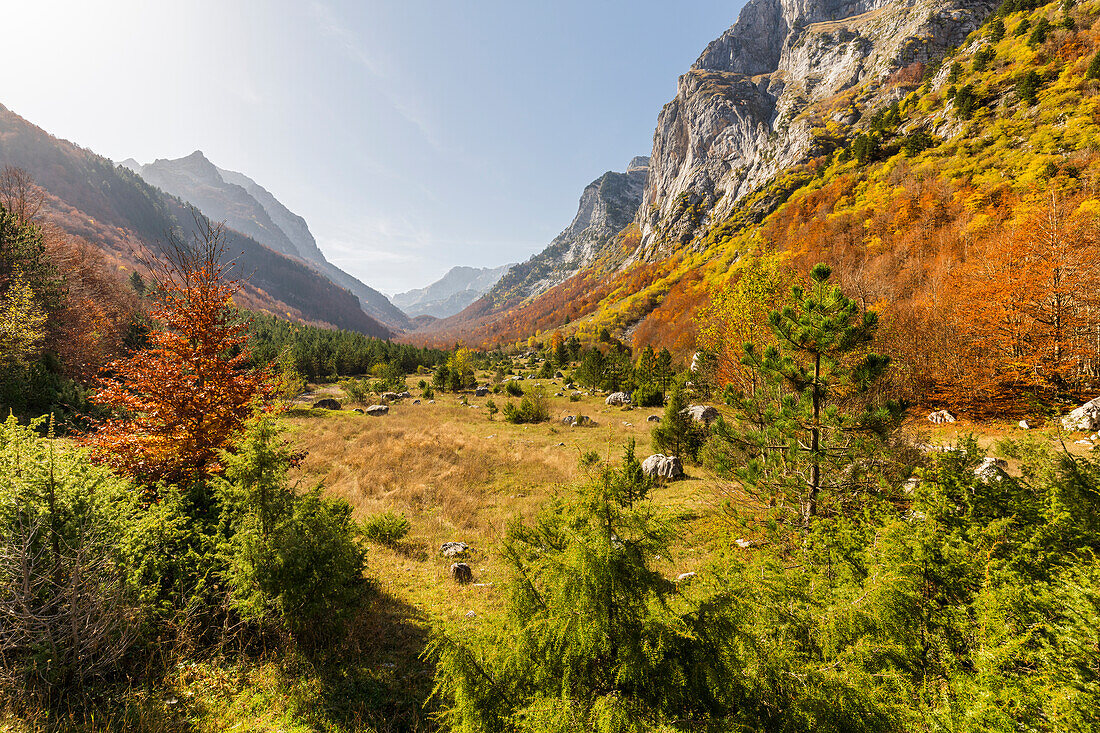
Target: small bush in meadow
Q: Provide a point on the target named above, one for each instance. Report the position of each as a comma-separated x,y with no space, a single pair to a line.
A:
387,528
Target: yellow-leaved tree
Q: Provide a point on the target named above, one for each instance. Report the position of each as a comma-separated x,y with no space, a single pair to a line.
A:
738,314
22,320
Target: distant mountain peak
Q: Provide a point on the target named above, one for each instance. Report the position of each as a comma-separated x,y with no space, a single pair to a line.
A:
460,287
251,209
638,163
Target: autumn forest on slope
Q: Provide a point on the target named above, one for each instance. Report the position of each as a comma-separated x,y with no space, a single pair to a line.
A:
793,428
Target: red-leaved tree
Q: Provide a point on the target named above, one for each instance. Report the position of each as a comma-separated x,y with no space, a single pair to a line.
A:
181,399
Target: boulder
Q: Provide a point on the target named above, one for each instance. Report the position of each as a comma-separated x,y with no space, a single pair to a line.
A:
743,544
390,396
377,410
1085,417
326,404
1024,425
653,418
404,395
685,577
416,402
583,421
701,413
481,392
991,469
453,549
357,411
462,573
617,399
568,420
662,466
941,417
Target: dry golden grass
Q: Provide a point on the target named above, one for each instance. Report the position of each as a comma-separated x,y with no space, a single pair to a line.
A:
457,475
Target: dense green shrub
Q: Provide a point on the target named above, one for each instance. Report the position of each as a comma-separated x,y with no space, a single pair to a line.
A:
293,556
69,606
513,388
533,408
648,395
387,528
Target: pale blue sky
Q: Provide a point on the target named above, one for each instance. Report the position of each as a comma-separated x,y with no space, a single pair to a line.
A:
412,136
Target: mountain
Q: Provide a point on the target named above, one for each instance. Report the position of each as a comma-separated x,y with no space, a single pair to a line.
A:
460,287
125,217
607,205
760,97
897,142
251,209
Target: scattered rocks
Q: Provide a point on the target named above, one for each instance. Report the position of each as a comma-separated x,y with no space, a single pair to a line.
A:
326,404
941,417
1085,417
461,573
685,577
653,418
583,421
662,466
1083,442
701,413
377,410
991,469
453,549
617,399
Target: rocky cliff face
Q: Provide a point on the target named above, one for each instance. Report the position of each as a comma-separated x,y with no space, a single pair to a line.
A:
746,109
447,296
607,206
251,209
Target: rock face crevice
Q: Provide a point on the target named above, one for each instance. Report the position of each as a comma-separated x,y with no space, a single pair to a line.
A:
745,110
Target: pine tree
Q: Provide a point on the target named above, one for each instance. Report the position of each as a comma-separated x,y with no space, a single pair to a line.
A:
810,436
677,434
595,638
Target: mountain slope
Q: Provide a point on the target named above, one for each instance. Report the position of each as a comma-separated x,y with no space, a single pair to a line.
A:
752,104
913,175
251,209
447,296
607,205
124,216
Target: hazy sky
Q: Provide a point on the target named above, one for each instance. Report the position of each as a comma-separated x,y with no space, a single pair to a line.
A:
413,135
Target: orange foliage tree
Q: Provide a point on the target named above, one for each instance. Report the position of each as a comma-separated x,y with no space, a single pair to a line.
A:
1029,303
181,399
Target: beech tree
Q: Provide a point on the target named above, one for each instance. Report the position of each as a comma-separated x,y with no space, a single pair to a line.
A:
179,401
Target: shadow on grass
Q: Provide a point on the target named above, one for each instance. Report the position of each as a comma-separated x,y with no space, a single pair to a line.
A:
375,679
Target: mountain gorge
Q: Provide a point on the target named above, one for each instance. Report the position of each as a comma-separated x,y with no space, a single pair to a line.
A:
249,208
453,292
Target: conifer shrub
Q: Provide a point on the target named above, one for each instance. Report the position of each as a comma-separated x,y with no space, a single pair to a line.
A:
387,528
533,408
648,395
595,637
513,389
